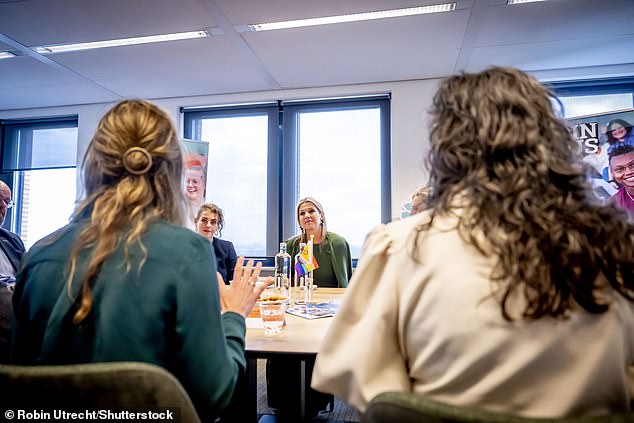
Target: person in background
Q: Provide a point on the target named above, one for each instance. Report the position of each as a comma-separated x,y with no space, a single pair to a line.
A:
419,199
11,252
621,161
513,292
619,132
209,223
125,281
331,251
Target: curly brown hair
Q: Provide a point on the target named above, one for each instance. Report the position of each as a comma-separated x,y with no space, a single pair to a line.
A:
501,156
132,175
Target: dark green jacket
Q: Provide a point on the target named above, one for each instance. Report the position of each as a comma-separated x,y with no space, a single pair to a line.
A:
339,253
167,313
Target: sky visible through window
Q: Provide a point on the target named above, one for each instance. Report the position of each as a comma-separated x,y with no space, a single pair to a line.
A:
236,178
340,166
48,195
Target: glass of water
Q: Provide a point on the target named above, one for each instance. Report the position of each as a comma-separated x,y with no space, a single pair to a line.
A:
272,315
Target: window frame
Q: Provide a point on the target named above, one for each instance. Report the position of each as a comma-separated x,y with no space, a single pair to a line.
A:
273,177
282,163
12,174
593,87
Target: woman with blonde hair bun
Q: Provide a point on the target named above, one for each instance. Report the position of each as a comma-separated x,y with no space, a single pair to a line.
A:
138,286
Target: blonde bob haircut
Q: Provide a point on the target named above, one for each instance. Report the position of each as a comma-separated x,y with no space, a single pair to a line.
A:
320,209
132,174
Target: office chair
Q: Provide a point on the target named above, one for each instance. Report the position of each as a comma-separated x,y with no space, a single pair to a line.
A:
126,386
406,407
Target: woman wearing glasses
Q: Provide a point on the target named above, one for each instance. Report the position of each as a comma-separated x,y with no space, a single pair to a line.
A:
622,168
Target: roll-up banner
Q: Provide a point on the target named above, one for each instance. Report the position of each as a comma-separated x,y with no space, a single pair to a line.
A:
196,159
598,135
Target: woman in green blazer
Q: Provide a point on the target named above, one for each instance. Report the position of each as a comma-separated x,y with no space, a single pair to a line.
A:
138,285
331,251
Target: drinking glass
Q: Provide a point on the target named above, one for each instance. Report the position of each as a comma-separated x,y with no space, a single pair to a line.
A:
272,315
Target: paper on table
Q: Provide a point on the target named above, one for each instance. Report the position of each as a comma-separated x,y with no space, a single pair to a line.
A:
314,310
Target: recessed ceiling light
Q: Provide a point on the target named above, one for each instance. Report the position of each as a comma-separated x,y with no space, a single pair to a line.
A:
445,7
6,54
522,1
63,48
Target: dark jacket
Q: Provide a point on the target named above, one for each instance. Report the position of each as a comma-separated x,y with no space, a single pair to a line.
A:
226,258
13,248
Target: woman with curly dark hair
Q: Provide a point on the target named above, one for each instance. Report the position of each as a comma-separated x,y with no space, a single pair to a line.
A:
209,221
514,291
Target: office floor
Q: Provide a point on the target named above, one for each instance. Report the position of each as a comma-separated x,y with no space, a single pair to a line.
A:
342,412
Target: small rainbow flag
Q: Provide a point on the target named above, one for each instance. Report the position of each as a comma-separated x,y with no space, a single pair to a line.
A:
306,261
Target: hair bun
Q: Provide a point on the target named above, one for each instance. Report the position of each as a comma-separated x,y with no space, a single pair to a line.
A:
137,160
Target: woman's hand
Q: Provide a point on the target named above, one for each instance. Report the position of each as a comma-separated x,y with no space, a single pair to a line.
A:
241,295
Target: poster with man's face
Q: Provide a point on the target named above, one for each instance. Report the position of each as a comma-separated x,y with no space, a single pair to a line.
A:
195,157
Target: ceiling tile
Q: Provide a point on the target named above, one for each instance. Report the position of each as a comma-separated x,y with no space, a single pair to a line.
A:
556,20
161,70
392,49
27,72
557,54
65,21
59,94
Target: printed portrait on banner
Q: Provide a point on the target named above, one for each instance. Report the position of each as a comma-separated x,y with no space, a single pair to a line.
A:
196,159
598,135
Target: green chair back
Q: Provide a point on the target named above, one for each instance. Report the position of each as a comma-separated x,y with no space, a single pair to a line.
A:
126,386
406,407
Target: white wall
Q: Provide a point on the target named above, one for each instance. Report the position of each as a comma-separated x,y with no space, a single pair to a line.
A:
409,122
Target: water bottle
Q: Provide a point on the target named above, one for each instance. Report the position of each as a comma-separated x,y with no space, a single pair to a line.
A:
282,271
298,282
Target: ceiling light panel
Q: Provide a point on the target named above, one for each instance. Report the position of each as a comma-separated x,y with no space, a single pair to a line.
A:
522,1
64,48
365,16
6,54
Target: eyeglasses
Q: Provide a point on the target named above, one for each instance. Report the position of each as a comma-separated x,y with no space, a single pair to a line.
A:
8,204
622,169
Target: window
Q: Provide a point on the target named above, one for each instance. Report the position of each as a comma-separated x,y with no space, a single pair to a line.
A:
339,162
591,104
580,98
39,158
264,158
237,174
